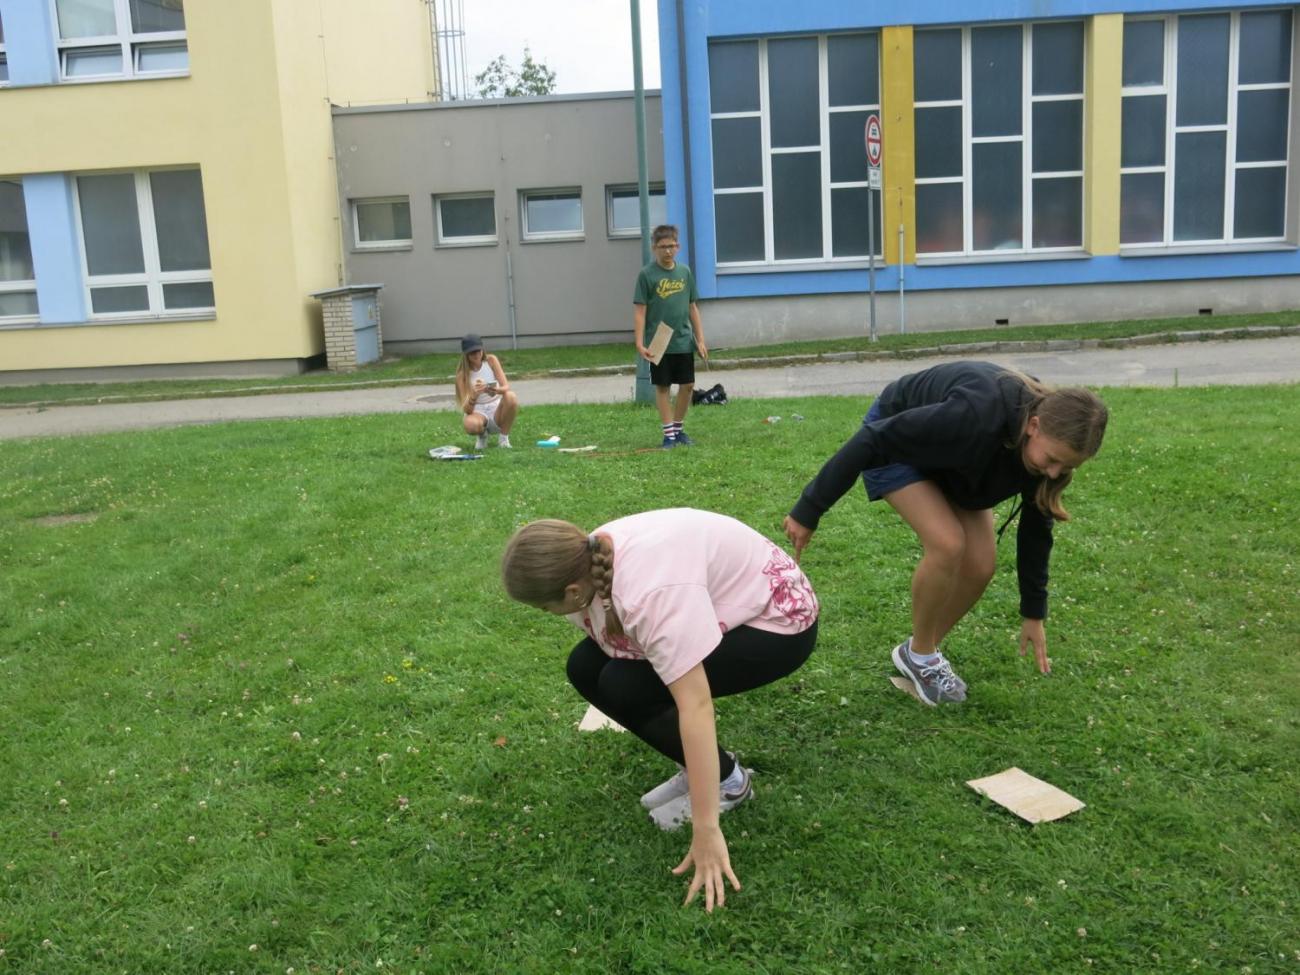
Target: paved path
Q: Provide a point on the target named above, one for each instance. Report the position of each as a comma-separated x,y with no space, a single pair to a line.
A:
1234,363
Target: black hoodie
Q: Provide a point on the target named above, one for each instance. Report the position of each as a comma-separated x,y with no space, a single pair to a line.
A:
959,423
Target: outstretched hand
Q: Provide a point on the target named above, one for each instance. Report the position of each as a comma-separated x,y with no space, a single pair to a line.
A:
799,536
712,864
1032,633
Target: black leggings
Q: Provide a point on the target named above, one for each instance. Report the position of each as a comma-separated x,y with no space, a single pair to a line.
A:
631,693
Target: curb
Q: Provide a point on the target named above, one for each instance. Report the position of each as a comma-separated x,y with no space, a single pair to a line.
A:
964,348
758,362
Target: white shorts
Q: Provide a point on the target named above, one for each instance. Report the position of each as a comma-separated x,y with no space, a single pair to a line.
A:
488,411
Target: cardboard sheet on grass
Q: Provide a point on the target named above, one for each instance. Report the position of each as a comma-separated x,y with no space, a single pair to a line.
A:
1033,800
595,720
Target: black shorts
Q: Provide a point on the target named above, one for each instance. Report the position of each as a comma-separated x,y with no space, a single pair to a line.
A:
674,367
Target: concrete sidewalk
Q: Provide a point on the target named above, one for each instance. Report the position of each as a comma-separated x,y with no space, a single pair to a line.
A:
1230,363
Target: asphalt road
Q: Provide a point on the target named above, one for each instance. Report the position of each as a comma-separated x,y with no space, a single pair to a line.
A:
1229,363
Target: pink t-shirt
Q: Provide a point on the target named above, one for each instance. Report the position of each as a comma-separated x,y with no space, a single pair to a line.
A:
682,578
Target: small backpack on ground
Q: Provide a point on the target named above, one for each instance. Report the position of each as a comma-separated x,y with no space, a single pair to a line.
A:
717,396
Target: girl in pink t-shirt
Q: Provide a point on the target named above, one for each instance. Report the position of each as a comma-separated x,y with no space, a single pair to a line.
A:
679,607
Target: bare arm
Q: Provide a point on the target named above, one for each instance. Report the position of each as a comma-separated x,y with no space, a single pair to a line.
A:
697,325
465,396
708,850
498,373
638,330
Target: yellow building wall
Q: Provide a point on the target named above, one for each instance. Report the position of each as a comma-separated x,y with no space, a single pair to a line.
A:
254,115
898,133
377,52
1102,105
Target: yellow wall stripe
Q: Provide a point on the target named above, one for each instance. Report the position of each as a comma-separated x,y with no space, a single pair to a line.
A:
1104,45
898,134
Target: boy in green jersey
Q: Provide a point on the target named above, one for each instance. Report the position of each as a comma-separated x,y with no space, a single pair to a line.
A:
665,292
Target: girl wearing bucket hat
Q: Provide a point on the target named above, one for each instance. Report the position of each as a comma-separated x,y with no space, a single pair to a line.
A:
484,395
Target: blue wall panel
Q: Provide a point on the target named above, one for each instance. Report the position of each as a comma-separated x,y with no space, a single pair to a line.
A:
55,253
29,42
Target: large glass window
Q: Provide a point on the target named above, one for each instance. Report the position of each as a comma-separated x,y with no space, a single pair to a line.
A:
1205,130
466,219
789,157
144,239
121,38
623,209
381,222
551,214
17,272
999,138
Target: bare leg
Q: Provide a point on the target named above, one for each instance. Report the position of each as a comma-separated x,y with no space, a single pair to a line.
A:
683,403
978,563
662,404
937,591
507,411
475,424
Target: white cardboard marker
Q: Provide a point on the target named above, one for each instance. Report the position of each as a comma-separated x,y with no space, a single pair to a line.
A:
595,720
659,344
1033,800
906,686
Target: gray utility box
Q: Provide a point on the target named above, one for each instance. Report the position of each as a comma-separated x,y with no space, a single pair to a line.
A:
353,335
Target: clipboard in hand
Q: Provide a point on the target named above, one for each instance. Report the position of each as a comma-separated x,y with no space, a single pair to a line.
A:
659,344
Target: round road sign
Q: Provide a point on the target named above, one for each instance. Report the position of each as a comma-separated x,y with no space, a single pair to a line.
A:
873,140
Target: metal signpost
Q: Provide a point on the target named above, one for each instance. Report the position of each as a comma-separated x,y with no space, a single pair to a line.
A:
873,183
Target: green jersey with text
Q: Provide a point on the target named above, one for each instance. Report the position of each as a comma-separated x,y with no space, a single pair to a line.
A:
667,296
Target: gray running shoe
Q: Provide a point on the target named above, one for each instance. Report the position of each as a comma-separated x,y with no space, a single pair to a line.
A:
935,682
667,791
675,813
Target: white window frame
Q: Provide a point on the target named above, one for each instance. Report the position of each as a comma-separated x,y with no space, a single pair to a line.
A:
129,43
654,189
467,240
4,58
825,110
1169,88
152,277
19,287
544,236
396,243
1026,140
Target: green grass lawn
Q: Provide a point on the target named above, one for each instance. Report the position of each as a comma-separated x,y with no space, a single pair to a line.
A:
520,363
265,707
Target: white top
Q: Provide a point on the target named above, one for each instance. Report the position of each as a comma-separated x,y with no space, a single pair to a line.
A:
485,373
683,577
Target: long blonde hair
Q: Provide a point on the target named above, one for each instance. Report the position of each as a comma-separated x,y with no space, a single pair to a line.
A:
1073,415
462,372
545,556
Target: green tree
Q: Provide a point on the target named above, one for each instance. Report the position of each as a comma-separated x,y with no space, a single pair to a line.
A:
500,80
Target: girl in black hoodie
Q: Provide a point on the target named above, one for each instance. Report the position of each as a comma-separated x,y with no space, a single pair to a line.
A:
943,446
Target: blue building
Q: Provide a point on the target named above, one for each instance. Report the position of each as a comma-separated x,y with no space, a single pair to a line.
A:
1043,160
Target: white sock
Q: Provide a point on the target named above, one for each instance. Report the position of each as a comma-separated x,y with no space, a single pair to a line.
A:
735,780
922,658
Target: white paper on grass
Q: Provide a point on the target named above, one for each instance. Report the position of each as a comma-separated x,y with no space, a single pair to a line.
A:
1033,800
595,720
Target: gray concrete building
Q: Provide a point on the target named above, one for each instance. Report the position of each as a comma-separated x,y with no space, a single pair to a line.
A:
517,219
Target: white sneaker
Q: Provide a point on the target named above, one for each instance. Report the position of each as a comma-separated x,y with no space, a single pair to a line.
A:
667,791
675,813
480,442
503,441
